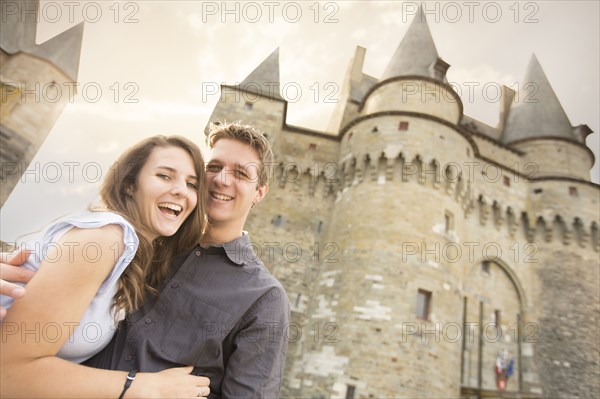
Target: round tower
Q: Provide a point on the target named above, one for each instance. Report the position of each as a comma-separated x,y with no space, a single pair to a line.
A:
537,125
562,221
393,295
36,83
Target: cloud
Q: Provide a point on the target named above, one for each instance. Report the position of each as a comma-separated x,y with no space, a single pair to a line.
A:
479,88
481,73
110,146
359,34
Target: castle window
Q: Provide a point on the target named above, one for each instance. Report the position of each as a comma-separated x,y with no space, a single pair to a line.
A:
537,191
423,304
485,267
350,391
320,227
595,236
448,221
496,320
10,96
312,146
403,126
573,191
468,152
374,130
248,106
278,221
506,181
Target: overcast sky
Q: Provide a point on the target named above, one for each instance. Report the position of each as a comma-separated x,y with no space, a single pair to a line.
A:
168,56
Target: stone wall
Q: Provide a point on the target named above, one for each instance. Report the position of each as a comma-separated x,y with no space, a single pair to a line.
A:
39,92
354,226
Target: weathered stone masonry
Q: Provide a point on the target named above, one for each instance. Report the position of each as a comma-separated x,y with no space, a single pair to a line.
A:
404,194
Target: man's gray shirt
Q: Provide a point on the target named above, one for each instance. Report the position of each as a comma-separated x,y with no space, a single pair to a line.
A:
221,311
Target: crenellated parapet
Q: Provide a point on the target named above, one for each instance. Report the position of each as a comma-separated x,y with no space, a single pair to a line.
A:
539,228
312,180
536,227
334,180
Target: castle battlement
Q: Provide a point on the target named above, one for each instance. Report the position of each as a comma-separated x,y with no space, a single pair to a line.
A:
548,226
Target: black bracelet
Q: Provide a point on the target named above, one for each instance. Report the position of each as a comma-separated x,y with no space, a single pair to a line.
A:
130,378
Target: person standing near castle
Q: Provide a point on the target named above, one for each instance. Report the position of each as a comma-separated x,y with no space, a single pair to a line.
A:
94,267
220,309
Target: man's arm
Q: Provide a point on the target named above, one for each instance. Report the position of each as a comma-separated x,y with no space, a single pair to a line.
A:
255,366
10,272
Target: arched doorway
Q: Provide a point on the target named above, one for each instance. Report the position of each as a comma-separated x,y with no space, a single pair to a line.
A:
493,306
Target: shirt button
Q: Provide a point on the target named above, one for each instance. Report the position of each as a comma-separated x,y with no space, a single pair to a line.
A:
129,358
175,285
197,253
148,321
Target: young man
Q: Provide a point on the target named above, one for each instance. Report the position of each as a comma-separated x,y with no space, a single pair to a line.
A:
219,309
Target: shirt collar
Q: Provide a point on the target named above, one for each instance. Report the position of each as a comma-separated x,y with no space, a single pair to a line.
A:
239,251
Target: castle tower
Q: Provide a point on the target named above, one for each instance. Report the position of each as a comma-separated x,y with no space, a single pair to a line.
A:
256,100
562,214
415,79
536,124
36,82
421,248
392,156
287,228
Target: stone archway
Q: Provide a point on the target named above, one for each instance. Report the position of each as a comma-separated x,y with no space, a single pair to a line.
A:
493,307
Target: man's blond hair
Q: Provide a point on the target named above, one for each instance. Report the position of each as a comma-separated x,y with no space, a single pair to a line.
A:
247,135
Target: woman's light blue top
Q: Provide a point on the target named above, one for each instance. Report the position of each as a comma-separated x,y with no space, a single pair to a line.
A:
97,326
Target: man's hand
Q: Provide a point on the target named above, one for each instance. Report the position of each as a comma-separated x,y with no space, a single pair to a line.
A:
10,272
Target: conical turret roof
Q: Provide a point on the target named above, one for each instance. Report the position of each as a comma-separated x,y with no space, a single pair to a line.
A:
536,111
63,50
18,25
18,31
416,54
264,80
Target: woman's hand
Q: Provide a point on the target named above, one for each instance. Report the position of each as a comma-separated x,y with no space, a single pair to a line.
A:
171,383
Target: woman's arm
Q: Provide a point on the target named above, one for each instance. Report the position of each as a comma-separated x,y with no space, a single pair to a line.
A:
38,325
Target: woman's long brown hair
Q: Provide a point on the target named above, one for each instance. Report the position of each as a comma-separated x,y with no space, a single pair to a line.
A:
151,261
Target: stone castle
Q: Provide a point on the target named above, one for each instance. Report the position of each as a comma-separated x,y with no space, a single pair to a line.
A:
36,83
421,248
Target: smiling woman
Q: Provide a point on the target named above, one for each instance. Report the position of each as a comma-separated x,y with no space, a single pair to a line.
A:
94,267
166,193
